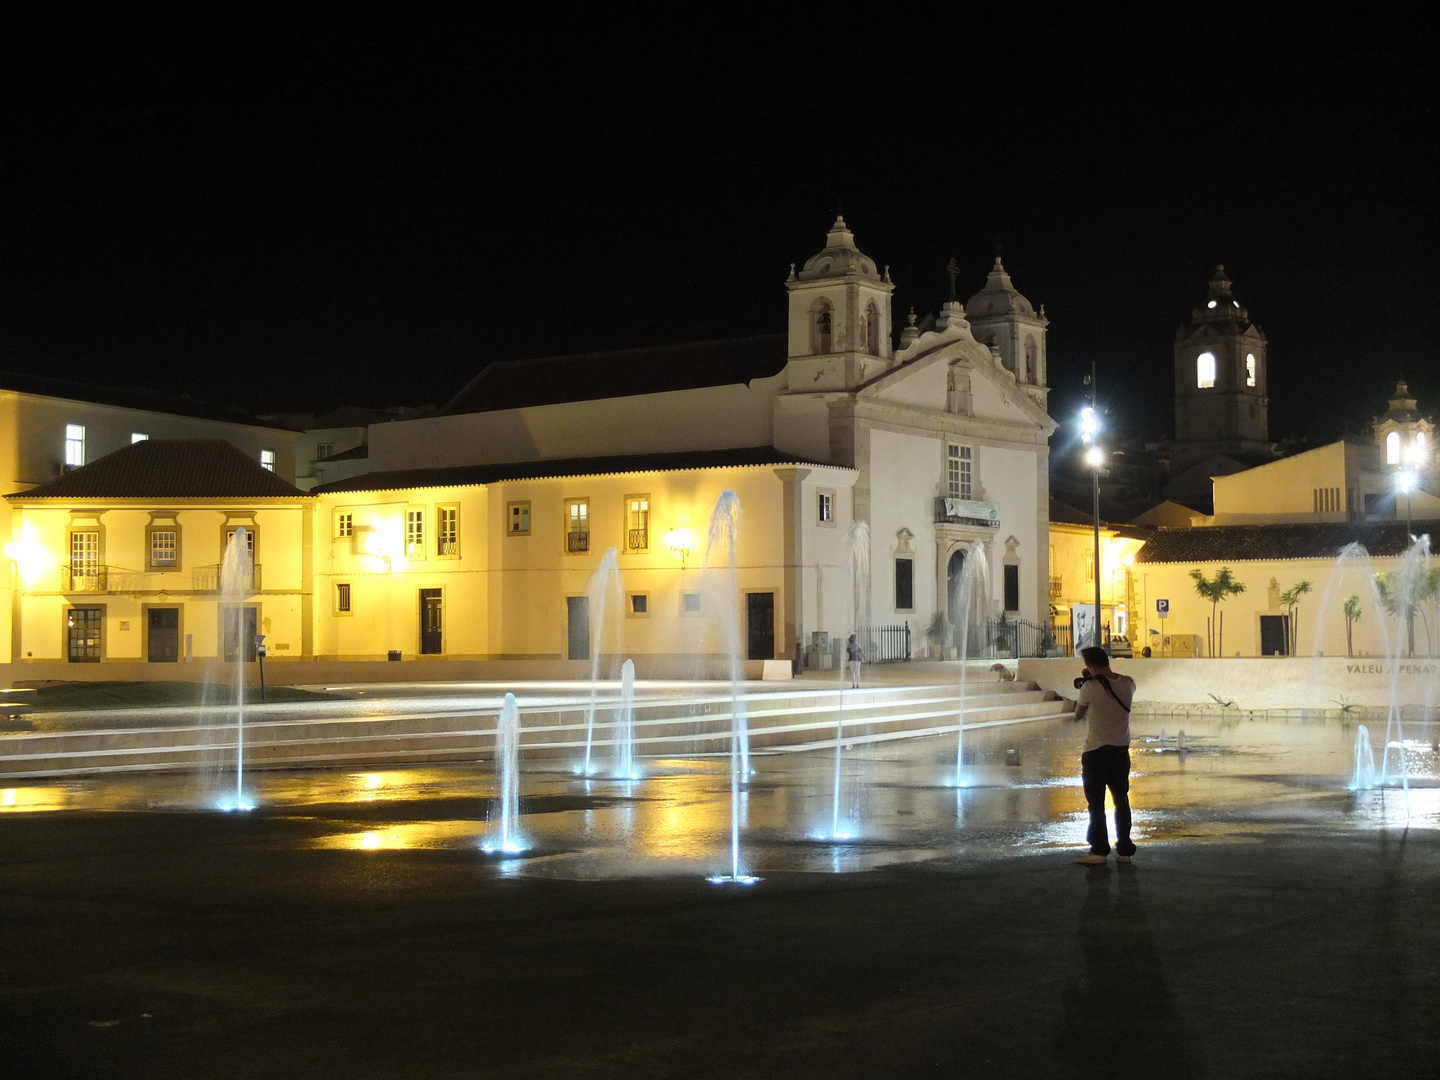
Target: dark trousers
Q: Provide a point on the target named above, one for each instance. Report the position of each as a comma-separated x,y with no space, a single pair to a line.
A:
1107,767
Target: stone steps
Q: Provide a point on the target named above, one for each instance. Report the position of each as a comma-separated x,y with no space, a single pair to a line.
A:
795,718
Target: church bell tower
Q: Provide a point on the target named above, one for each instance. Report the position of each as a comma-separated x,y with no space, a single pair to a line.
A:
1221,395
839,317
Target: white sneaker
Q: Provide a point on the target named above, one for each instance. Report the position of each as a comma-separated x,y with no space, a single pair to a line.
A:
1091,859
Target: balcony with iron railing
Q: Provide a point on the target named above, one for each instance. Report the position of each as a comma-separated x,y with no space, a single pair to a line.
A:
86,577
1056,588
100,578
207,579
577,540
638,539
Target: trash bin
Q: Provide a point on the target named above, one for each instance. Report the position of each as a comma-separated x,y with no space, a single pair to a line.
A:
394,654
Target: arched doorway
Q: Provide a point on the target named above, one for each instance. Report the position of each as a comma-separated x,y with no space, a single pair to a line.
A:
954,571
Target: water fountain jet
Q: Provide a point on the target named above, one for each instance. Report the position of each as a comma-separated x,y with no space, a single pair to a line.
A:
236,581
507,766
604,609
970,597
626,767
725,594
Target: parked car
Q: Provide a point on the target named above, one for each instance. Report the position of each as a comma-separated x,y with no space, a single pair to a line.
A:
1120,646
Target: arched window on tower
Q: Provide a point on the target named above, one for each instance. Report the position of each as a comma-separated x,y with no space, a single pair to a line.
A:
1205,370
1032,360
821,335
1392,448
872,330
1250,369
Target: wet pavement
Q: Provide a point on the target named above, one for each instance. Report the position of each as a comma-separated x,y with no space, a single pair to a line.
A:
1274,922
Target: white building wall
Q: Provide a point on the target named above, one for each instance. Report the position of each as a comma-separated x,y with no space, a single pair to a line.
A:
33,451
711,418
905,476
1008,478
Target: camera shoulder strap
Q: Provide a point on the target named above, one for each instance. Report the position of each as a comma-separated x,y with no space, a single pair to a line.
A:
1111,691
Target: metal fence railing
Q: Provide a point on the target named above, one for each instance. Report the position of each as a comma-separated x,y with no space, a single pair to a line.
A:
1064,638
1009,639
885,644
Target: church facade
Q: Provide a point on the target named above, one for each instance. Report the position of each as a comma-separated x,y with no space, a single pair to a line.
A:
937,442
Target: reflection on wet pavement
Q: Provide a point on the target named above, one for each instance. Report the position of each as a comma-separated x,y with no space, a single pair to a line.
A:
1233,783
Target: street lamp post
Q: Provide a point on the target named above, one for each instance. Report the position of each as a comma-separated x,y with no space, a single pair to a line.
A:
1095,458
1405,480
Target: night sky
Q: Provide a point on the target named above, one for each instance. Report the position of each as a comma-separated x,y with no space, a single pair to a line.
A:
369,217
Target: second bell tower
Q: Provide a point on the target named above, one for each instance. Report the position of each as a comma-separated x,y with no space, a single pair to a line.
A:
1221,396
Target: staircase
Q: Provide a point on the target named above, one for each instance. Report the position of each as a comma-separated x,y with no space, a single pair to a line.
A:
793,717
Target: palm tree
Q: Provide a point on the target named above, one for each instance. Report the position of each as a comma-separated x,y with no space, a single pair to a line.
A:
1290,598
1405,596
1352,616
1220,588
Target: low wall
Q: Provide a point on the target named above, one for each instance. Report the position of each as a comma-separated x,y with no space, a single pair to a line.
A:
1299,682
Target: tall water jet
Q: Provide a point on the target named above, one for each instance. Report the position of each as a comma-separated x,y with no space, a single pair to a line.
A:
722,597
724,594
1400,594
507,767
858,542
603,598
1364,776
626,767
237,582
970,604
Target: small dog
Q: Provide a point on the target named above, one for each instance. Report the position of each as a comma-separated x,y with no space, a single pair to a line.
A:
1003,673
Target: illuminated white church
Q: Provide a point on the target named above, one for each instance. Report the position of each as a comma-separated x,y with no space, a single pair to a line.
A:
473,534
939,443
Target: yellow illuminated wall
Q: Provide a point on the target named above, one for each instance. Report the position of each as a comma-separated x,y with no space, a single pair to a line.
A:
504,591
39,553
1072,553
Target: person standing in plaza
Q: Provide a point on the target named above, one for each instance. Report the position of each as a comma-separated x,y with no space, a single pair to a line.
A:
1104,705
854,656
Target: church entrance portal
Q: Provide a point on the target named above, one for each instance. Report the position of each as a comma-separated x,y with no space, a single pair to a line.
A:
953,573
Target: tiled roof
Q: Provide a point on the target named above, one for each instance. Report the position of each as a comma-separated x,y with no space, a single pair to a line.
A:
1065,514
553,380
168,469
471,475
1242,543
128,397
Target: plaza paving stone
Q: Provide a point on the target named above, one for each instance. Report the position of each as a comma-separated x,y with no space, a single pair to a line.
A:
1273,924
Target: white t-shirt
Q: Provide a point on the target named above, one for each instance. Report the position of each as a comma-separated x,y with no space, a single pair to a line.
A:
1107,724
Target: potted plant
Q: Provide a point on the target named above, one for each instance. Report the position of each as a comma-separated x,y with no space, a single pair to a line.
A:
938,633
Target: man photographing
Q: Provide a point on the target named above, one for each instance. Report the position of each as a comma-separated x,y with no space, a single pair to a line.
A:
1104,704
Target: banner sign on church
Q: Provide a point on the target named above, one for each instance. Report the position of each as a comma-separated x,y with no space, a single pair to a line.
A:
985,512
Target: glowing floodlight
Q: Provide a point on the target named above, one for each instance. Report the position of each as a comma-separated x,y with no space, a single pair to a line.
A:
680,542
1089,425
1094,457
